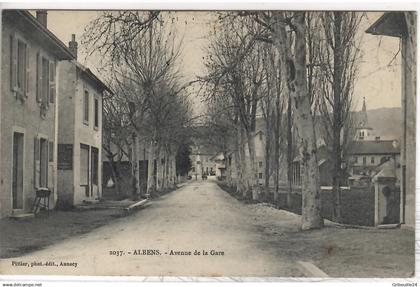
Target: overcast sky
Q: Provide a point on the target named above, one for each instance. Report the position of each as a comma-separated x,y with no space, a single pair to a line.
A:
379,79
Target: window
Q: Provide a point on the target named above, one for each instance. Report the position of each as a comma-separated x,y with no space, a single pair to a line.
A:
95,166
356,159
372,159
19,66
84,165
41,162
51,82
45,80
86,108
364,160
51,151
96,115
260,164
260,175
45,84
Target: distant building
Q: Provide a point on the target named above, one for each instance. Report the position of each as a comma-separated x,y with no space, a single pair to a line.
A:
368,151
324,165
363,130
28,104
202,163
79,132
366,155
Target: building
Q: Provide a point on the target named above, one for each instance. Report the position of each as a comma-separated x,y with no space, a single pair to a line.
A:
403,25
202,164
367,155
363,131
29,115
324,164
368,151
79,132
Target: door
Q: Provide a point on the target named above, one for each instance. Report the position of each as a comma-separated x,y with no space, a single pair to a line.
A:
84,170
94,191
17,170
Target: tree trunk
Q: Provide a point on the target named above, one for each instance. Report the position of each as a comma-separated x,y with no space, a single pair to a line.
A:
158,157
277,150
241,185
135,167
267,156
289,153
337,113
296,75
151,187
252,167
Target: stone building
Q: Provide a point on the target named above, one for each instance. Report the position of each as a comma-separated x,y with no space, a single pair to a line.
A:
79,132
29,114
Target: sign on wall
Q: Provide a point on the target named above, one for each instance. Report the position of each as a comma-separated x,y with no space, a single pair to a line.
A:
65,157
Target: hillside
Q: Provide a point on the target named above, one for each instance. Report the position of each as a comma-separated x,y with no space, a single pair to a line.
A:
386,122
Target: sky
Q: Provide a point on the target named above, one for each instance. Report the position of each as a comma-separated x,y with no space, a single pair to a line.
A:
379,77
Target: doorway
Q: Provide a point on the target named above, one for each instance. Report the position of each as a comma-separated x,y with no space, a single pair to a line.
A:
17,171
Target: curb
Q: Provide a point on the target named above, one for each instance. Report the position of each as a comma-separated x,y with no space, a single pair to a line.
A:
311,270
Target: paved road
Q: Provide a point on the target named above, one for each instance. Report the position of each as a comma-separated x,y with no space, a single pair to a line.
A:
199,216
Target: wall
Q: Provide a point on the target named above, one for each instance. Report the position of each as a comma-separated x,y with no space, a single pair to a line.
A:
409,77
86,134
24,117
66,98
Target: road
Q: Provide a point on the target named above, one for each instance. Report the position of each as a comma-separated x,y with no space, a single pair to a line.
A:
197,217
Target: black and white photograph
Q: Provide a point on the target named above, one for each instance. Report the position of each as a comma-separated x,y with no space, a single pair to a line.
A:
218,144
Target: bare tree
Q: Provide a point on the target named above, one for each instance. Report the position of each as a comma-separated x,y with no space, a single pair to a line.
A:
338,53
294,66
238,73
140,53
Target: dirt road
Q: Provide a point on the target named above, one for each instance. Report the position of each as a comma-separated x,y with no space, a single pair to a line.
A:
165,238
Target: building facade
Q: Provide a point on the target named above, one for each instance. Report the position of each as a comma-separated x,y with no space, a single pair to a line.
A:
29,115
79,132
403,25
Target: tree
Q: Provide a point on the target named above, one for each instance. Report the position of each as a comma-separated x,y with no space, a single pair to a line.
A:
117,132
140,54
294,66
338,53
236,73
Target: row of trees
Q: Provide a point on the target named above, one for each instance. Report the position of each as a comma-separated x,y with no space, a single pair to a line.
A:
149,112
293,69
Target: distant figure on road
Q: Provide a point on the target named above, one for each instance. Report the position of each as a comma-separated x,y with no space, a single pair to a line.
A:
204,177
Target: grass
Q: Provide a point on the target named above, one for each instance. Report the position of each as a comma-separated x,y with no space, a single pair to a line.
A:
340,252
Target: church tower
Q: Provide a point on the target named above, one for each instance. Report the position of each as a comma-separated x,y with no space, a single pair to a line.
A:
363,131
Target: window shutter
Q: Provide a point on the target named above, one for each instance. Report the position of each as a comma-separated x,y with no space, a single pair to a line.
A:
26,91
37,165
51,151
14,55
52,82
38,78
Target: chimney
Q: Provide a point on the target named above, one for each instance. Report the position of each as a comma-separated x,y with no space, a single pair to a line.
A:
41,16
73,45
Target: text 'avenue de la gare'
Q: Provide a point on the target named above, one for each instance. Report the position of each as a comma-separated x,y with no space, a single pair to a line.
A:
157,252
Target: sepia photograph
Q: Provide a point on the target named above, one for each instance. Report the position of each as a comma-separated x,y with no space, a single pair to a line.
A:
214,144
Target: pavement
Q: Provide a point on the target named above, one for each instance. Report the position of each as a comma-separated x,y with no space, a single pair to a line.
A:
197,230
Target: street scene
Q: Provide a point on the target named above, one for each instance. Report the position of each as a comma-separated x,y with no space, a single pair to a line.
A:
208,143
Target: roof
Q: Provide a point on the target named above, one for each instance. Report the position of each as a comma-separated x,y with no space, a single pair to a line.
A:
374,147
91,76
24,20
389,24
